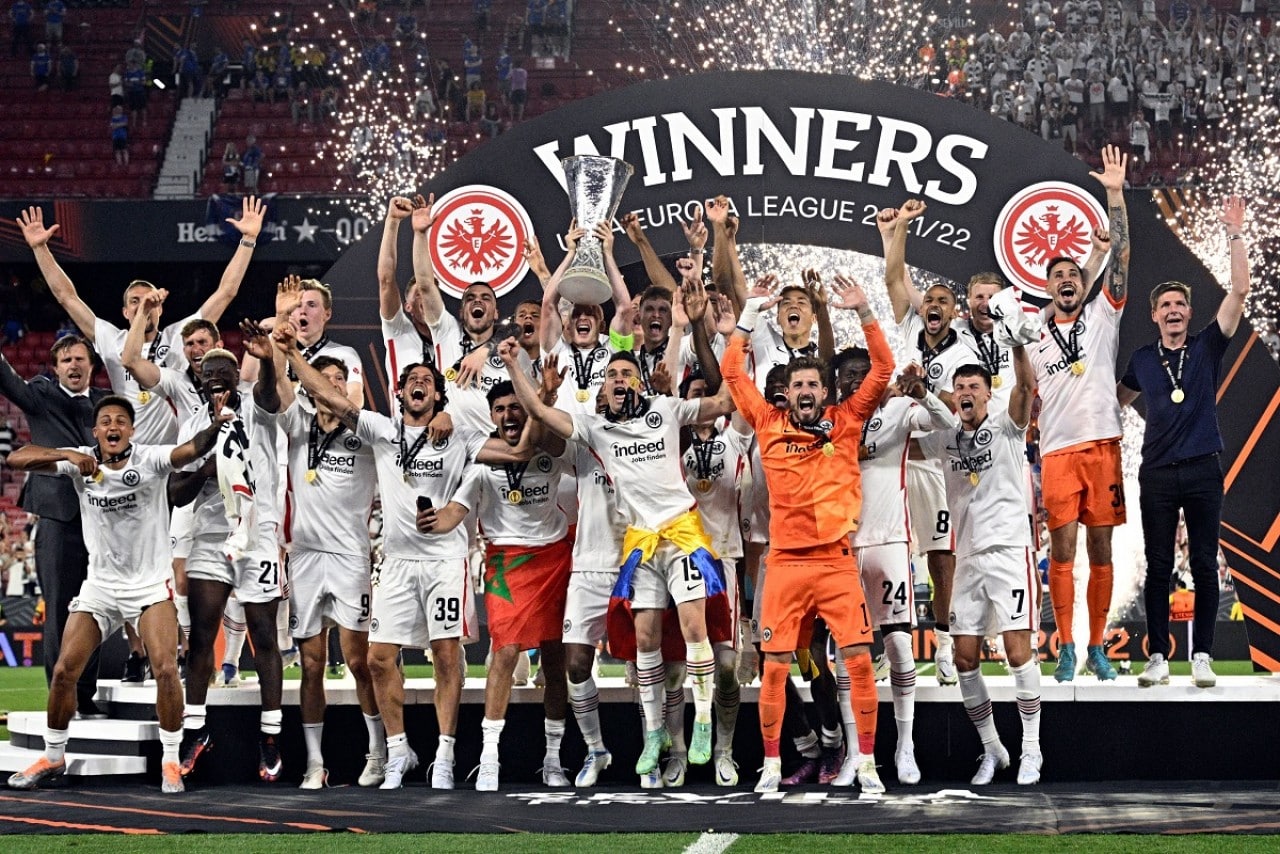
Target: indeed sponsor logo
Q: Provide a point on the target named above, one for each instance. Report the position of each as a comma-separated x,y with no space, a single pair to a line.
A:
636,449
105,503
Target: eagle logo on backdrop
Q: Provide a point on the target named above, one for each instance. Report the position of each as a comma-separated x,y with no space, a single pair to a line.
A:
1044,221
479,235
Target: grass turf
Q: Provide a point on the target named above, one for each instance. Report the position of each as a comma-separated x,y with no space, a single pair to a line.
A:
637,843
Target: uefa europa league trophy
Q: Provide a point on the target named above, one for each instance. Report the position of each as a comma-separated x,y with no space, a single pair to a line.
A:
595,187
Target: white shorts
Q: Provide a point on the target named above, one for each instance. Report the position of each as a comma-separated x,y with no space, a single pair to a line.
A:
668,576
254,578
587,606
729,569
180,530
416,602
886,583
931,529
995,592
754,503
328,589
111,609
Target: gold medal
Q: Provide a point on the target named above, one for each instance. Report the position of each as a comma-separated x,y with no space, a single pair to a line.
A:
864,453
973,478
1077,368
515,496
1178,395
635,383
828,450
451,375
704,485
311,476
144,397
996,381
583,395
98,476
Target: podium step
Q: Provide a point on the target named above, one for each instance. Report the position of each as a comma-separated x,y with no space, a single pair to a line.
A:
111,737
13,758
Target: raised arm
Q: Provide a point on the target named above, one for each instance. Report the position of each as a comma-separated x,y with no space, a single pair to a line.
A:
733,365
398,210
314,382
252,212
557,421
894,226
726,267
653,266
848,296
694,295
1024,388
64,291
202,443
1100,245
16,389
424,274
537,263
1111,178
552,324
1232,307
821,315
621,321
145,371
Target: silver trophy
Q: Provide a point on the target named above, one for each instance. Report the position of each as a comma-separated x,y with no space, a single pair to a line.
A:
595,186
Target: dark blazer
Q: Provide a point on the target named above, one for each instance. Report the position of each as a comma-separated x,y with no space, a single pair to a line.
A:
57,420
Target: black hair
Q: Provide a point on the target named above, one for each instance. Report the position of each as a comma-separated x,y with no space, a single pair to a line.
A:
114,400
973,371
506,388
437,381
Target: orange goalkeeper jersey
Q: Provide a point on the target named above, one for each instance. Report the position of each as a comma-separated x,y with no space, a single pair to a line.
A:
814,499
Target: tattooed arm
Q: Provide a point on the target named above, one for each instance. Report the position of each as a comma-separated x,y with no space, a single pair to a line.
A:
1114,166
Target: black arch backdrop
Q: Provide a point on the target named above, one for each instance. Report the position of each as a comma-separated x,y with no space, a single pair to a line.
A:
807,159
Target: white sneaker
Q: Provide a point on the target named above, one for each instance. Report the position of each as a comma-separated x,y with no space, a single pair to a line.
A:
1029,769
374,770
880,667
487,779
995,759
596,761
868,777
848,771
1156,672
652,780
553,775
521,675
315,778
1202,675
396,768
673,775
944,665
726,769
770,775
908,770
441,774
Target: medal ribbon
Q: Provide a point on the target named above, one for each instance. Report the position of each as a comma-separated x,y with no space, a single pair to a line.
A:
408,455
315,447
1175,379
988,351
515,474
702,453
928,354
582,367
820,430
966,458
110,461
645,370
1069,349
308,353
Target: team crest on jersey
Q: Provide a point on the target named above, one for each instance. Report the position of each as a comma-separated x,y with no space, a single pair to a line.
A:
352,443
568,624
544,463
373,624
495,361
874,423
935,371
653,420
440,444
983,437
478,236
293,621
131,478
1041,222
767,634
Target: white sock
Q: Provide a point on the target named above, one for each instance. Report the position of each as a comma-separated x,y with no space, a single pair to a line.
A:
807,745
1026,680
554,731
377,735
727,698
902,679
649,672
170,744
584,697
844,695
397,746
832,738
269,721
184,614
55,744
702,668
284,638
444,748
977,702
193,716
673,705
491,732
313,735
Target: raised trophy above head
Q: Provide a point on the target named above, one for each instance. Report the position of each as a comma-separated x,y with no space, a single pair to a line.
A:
595,185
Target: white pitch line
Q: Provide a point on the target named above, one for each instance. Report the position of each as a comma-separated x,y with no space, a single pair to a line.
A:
711,843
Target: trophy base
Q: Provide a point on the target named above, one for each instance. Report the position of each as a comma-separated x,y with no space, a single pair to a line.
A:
585,286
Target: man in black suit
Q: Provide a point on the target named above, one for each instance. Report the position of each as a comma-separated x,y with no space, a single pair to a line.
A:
60,413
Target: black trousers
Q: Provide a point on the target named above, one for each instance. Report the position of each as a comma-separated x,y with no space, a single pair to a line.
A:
1195,487
62,564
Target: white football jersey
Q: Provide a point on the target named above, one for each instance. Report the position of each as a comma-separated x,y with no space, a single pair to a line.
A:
154,421
585,369
993,357
883,465
939,369
712,471
330,511
434,470
260,429
517,503
126,518
597,544
469,407
642,457
992,512
769,349
1079,408
404,347
181,389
